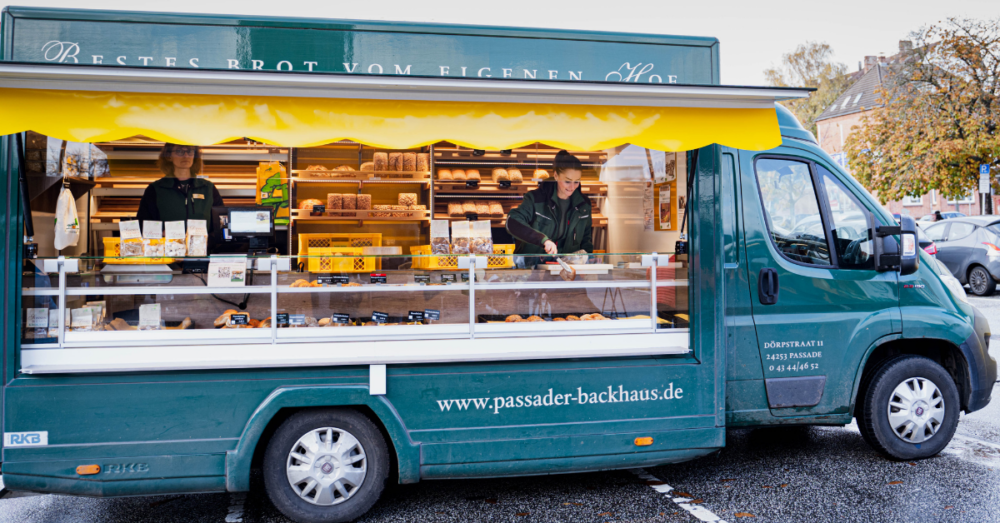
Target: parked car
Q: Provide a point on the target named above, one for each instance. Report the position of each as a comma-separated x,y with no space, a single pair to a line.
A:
970,248
929,218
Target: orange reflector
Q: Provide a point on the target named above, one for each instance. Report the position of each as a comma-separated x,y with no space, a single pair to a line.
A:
643,442
88,470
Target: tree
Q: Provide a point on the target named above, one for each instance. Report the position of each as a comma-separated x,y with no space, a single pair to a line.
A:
938,116
810,65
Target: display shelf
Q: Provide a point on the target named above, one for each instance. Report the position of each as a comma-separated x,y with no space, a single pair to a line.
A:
597,220
415,176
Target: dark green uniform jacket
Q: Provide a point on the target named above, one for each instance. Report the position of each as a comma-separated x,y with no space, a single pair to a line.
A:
165,201
534,221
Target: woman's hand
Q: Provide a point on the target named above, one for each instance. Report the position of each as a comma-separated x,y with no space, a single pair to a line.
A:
550,247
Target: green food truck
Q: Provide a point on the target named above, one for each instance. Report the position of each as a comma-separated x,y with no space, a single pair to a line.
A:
351,253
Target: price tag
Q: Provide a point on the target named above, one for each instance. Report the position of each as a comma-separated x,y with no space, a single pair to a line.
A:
340,280
37,318
342,319
472,184
431,314
332,280
318,210
415,316
465,277
504,184
283,318
380,317
296,319
421,278
379,277
239,319
449,278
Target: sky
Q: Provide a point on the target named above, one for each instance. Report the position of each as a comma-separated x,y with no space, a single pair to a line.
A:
753,33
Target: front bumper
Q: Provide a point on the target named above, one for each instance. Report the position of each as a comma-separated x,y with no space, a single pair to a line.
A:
982,366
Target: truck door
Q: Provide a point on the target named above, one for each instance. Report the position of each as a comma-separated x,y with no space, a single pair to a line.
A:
818,303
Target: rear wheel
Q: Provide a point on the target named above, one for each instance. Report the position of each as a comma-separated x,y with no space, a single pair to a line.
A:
325,466
910,409
981,283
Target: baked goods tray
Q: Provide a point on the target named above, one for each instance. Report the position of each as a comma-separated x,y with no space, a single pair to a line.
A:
500,318
302,214
362,175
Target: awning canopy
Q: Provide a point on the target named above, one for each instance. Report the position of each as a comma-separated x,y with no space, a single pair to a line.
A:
94,103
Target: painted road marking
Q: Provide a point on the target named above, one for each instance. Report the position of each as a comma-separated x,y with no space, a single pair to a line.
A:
698,511
235,514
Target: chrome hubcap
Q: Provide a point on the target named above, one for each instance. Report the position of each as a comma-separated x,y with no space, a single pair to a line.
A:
977,280
916,410
326,466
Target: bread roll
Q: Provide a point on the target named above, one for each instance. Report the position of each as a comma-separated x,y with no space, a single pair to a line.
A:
368,166
534,318
407,198
572,318
458,174
541,174
364,202
515,175
409,162
307,205
500,175
349,202
381,161
423,162
512,318
473,174
395,161
444,174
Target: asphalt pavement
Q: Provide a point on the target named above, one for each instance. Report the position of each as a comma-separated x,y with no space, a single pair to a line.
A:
792,474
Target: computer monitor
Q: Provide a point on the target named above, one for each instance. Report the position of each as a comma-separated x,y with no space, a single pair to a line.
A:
251,222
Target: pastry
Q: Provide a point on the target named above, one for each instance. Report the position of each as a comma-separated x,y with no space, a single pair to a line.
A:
440,245
299,283
368,166
395,161
407,198
512,318
224,319
265,323
515,175
343,168
311,322
307,205
423,162
349,202
541,174
364,202
458,174
500,175
323,322
254,323
473,174
316,168
558,319
351,284
381,161
315,283
409,162
445,174
534,318
572,318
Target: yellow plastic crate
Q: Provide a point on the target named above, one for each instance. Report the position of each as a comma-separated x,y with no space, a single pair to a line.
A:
450,262
308,242
339,259
112,255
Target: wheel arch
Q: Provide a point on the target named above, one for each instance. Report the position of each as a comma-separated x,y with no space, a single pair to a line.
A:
285,401
943,352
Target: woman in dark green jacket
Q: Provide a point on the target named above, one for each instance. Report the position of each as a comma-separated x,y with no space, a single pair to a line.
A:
555,218
180,194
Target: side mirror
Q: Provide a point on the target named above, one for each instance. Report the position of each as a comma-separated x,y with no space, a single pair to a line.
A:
890,255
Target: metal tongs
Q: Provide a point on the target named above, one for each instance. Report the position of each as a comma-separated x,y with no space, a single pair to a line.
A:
568,273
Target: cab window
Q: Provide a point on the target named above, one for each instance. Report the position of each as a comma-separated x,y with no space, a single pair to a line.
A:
936,233
849,223
793,217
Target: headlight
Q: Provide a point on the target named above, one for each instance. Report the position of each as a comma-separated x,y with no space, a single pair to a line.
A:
950,281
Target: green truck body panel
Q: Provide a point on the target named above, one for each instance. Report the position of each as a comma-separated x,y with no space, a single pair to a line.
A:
171,432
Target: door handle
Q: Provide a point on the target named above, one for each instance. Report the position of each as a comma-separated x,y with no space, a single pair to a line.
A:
767,286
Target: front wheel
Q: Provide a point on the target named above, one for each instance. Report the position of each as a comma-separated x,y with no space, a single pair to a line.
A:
981,283
325,466
910,409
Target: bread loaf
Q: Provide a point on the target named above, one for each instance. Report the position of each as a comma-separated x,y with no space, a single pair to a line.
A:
334,201
496,209
368,166
500,175
381,161
515,175
417,208
541,174
469,207
395,161
444,174
349,202
409,162
364,202
316,168
455,209
482,209
458,174
473,174
407,198
423,162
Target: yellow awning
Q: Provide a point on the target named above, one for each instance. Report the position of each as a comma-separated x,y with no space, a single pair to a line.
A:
94,104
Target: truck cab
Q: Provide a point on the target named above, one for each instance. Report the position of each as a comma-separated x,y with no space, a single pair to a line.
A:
816,332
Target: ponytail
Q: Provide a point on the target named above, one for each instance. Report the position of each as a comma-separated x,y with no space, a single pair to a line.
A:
565,161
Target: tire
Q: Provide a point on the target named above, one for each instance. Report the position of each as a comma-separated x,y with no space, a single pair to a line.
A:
326,466
981,283
925,387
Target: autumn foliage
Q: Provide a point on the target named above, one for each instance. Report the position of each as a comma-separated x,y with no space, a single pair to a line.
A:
938,116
